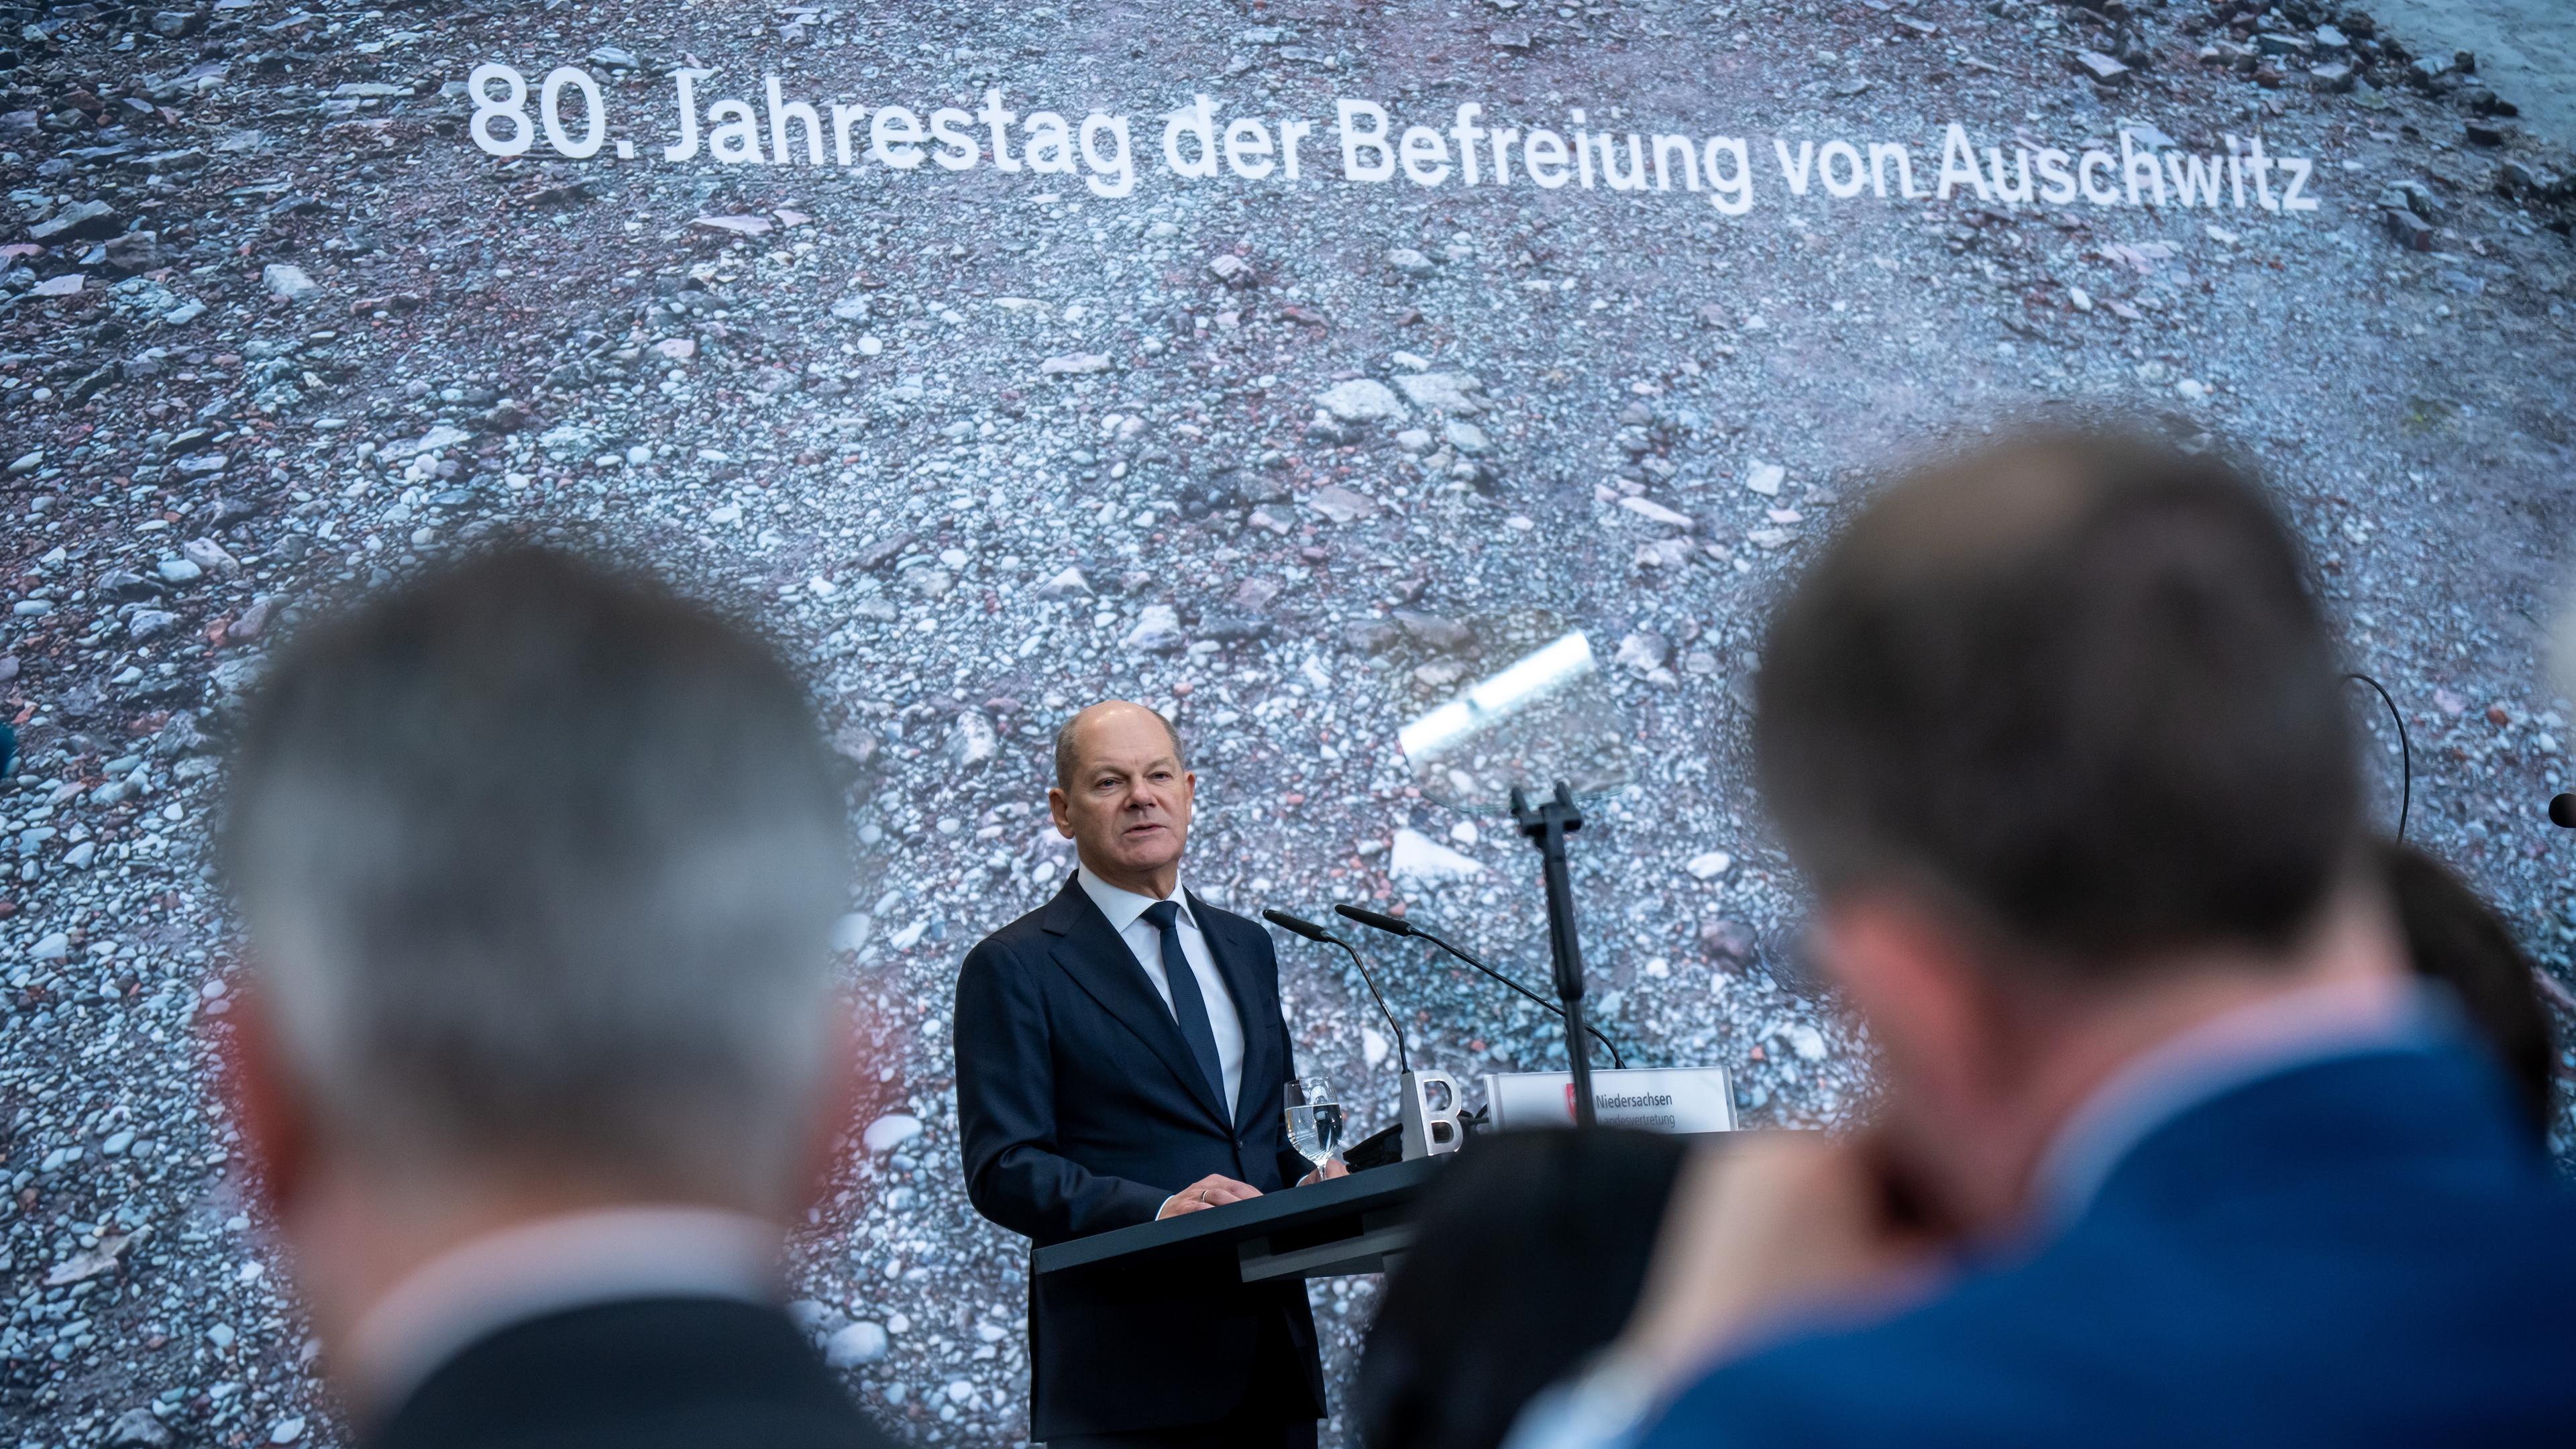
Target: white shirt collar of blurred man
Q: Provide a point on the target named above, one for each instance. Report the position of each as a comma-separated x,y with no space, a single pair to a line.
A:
2302,1028
551,1265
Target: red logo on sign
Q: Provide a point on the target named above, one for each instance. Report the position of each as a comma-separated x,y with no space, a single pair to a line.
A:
1570,1113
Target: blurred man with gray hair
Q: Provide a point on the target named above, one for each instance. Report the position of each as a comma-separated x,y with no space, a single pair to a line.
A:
539,865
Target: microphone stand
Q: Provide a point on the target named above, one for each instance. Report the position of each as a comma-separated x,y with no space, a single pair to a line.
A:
1547,824
1399,926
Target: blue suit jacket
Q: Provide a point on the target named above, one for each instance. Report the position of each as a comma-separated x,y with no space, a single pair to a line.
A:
1080,1109
2366,1250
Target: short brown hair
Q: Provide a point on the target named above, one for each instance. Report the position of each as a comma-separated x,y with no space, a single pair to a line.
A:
2077,684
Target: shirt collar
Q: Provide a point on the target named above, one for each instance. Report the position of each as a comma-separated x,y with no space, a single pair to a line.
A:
1123,906
2233,1050
548,1265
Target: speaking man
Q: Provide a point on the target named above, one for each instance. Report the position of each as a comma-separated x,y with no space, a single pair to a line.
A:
1120,1057
539,865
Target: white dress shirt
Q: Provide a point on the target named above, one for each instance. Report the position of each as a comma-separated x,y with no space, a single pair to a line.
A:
548,1265
1126,912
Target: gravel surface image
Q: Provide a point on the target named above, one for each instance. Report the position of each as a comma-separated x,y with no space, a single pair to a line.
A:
1283,365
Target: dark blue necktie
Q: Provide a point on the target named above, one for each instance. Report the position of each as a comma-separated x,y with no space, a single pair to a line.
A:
1189,1007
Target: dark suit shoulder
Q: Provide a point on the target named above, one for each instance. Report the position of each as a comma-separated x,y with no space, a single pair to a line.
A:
647,1373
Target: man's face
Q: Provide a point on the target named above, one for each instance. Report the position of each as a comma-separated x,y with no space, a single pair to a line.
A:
1128,808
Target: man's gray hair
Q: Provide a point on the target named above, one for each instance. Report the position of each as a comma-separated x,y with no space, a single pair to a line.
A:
539,864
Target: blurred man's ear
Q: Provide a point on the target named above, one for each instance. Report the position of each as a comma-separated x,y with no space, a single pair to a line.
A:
1917,982
277,1131
1060,810
841,1093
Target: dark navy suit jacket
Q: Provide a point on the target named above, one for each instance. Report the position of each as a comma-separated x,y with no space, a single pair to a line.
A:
1080,1109
2366,1250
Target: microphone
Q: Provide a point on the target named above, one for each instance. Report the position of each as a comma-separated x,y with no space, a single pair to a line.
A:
1398,926
1299,926
2562,811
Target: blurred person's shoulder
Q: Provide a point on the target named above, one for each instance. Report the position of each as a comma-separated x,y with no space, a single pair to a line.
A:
2360,1251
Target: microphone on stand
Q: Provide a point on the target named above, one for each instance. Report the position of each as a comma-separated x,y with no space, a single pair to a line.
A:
1299,926
1399,926
2562,811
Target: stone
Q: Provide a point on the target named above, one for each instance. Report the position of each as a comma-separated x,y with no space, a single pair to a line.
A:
1074,364
179,571
1729,941
2408,230
136,251
1410,262
1766,478
79,222
55,946
81,856
1466,437
1230,269
1359,400
972,741
150,624
1653,512
1445,392
1446,635
890,1132
856,1345
1709,864
287,282
287,1431
210,557
1157,631
2101,68
138,1429
1417,859
1068,584
1643,652
1340,504
252,623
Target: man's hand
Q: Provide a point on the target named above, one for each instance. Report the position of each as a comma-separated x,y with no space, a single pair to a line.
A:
1213,1190
1331,1169
1763,1227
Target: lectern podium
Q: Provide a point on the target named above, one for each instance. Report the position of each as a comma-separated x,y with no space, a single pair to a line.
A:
1354,1224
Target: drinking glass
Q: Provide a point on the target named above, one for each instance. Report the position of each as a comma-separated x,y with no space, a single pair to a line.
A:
1314,1119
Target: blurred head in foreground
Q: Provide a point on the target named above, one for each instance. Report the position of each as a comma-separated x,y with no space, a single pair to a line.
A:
538,864
1530,1250
2057,734
2457,939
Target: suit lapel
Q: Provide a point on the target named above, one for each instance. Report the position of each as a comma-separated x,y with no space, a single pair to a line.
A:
1234,961
1100,963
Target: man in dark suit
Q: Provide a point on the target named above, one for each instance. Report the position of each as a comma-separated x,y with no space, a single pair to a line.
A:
2174,1149
1121,1057
538,1062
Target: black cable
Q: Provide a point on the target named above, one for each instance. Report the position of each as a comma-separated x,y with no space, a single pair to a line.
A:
1402,1064
1550,1007
2405,753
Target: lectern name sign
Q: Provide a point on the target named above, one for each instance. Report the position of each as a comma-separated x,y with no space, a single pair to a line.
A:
1651,1099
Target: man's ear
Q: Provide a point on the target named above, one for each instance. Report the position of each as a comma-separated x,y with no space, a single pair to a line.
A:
1918,983
1059,809
277,1130
843,1093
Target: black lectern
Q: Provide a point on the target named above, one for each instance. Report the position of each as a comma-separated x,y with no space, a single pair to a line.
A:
1354,1224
